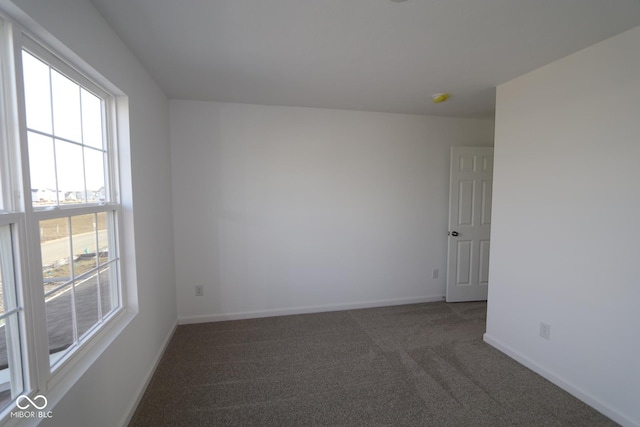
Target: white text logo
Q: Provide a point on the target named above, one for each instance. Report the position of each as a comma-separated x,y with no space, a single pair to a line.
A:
20,402
31,408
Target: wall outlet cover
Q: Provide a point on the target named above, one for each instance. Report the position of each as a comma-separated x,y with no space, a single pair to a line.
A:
545,331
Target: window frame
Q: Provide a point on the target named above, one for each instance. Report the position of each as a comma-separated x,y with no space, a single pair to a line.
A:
14,223
35,214
17,211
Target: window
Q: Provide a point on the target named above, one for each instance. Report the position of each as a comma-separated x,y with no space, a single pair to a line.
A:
69,169
59,214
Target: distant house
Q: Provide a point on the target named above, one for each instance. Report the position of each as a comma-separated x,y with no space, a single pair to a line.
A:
73,196
43,195
99,196
80,196
47,195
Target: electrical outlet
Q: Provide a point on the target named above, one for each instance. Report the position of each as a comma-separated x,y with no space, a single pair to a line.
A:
435,273
199,290
545,331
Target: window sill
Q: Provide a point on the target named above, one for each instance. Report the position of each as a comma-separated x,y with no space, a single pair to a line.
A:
73,365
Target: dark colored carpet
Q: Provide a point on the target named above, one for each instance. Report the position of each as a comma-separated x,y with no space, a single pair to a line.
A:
411,365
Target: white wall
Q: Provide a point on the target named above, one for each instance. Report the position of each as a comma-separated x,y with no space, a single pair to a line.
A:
283,209
106,392
566,210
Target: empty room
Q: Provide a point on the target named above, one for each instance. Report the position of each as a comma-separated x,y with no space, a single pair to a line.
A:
337,212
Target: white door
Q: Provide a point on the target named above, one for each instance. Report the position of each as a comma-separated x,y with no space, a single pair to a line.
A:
469,223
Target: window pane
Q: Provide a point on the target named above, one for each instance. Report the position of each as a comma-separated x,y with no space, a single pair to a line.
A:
70,170
94,162
83,229
66,107
43,172
5,392
54,246
5,366
59,307
86,288
86,296
91,120
11,384
37,93
103,238
56,271
108,289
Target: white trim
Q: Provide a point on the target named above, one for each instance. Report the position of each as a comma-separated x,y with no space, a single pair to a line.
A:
131,410
10,218
54,212
6,117
561,382
304,310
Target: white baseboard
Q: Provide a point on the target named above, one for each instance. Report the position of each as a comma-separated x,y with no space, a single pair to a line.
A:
562,383
303,310
128,415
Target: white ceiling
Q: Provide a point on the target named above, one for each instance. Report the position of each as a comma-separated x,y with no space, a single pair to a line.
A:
373,55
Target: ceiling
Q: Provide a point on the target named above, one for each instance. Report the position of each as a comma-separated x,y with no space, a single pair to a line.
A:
372,55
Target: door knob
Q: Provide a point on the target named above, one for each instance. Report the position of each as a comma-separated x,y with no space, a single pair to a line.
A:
454,234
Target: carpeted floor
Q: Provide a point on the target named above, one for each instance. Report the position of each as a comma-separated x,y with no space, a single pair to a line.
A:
411,365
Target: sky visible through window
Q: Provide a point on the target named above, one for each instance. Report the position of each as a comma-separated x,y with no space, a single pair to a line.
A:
65,137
